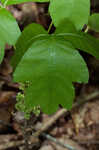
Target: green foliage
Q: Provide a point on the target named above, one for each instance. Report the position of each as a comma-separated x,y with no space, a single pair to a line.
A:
45,64
94,22
2,1
80,40
12,2
2,46
28,36
51,60
23,108
9,30
75,10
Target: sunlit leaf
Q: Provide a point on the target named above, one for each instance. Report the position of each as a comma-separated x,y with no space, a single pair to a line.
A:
75,10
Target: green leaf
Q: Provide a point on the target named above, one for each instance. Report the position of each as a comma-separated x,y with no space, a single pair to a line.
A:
79,40
3,1
2,46
31,33
75,10
94,22
9,30
12,2
66,26
51,65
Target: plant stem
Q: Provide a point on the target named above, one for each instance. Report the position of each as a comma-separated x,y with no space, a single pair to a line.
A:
86,30
50,26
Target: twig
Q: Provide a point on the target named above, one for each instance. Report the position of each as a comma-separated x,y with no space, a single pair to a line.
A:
50,26
47,124
47,136
5,123
63,111
86,99
50,122
11,144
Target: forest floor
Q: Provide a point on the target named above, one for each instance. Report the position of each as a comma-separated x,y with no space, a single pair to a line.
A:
77,129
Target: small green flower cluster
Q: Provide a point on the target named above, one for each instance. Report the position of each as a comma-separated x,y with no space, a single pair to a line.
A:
21,106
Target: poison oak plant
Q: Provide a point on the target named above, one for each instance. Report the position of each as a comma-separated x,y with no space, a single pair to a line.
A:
49,63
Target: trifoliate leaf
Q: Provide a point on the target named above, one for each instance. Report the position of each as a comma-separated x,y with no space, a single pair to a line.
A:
51,65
